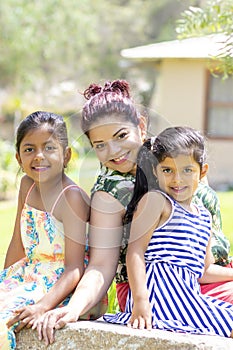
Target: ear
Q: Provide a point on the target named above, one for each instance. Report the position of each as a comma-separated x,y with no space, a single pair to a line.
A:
143,127
204,170
17,156
155,173
67,156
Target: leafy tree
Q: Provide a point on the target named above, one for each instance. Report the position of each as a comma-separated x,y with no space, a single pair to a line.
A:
215,17
47,42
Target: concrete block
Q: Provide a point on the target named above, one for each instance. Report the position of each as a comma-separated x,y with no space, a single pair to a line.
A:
99,335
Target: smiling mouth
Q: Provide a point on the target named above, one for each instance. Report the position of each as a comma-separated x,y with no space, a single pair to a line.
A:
179,189
120,159
40,168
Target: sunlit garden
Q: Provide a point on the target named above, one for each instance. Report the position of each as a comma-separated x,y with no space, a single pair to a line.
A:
152,65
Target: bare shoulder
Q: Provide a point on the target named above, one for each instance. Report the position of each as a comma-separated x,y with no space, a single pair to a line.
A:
105,202
148,215
151,200
76,199
25,184
77,194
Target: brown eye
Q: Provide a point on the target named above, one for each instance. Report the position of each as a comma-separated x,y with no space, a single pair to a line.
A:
99,146
122,136
167,171
188,170
28,150
49,148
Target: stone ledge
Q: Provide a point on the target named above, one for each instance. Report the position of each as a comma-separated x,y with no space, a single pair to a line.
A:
99,335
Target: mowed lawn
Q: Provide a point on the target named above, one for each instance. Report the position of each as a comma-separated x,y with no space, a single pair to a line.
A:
8,212
7,219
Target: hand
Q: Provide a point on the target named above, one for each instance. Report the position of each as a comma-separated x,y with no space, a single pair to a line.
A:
25,316
141,316
52,320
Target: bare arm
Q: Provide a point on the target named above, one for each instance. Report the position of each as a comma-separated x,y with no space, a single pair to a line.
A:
214,273
105,240
217,273
143,224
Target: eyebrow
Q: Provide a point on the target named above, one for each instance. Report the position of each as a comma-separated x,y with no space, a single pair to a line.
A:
118,131
32,144
171,166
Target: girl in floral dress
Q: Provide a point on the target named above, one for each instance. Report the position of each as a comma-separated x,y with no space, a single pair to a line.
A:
45,258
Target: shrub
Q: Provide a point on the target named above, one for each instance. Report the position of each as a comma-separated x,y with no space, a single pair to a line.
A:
8,168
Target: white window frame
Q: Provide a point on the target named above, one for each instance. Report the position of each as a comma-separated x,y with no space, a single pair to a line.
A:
219,108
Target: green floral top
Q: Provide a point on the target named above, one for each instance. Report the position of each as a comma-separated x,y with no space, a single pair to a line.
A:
121,186
219,243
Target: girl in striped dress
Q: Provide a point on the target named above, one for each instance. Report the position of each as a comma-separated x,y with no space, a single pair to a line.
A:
169,247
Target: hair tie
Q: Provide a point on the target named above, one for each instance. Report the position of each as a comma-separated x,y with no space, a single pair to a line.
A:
152,141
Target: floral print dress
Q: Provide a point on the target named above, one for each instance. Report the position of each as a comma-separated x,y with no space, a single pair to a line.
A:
30,278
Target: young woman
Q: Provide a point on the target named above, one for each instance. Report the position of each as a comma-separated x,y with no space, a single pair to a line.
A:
45,258
169,246
116,130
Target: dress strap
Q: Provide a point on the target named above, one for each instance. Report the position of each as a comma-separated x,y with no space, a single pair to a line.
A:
59,196
29,191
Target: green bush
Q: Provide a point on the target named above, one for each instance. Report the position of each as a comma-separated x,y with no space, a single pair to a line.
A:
9,169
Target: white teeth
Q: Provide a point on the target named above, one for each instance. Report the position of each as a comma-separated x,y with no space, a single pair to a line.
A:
120,158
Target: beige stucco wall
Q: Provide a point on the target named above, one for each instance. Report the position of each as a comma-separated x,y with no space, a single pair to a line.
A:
180,92
220,159
180,100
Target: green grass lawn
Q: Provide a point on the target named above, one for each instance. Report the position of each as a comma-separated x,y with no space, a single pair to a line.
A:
226,200
7,218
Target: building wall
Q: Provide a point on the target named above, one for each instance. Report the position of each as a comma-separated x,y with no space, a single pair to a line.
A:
180,100
181,92
220,161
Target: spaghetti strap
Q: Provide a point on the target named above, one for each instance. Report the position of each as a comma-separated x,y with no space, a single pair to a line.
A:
59,196
29,191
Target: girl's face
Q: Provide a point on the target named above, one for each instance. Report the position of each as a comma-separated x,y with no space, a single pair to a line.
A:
41,156
116,142
179,177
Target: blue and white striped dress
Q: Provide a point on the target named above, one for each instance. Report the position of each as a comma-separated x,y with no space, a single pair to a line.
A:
174,261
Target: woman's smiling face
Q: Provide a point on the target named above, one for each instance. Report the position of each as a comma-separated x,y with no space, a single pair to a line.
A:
116,142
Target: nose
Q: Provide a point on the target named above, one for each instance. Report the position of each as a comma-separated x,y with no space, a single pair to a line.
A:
177,178
113,149
39,155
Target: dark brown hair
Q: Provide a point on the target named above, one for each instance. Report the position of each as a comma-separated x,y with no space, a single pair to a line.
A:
113,98
54,122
